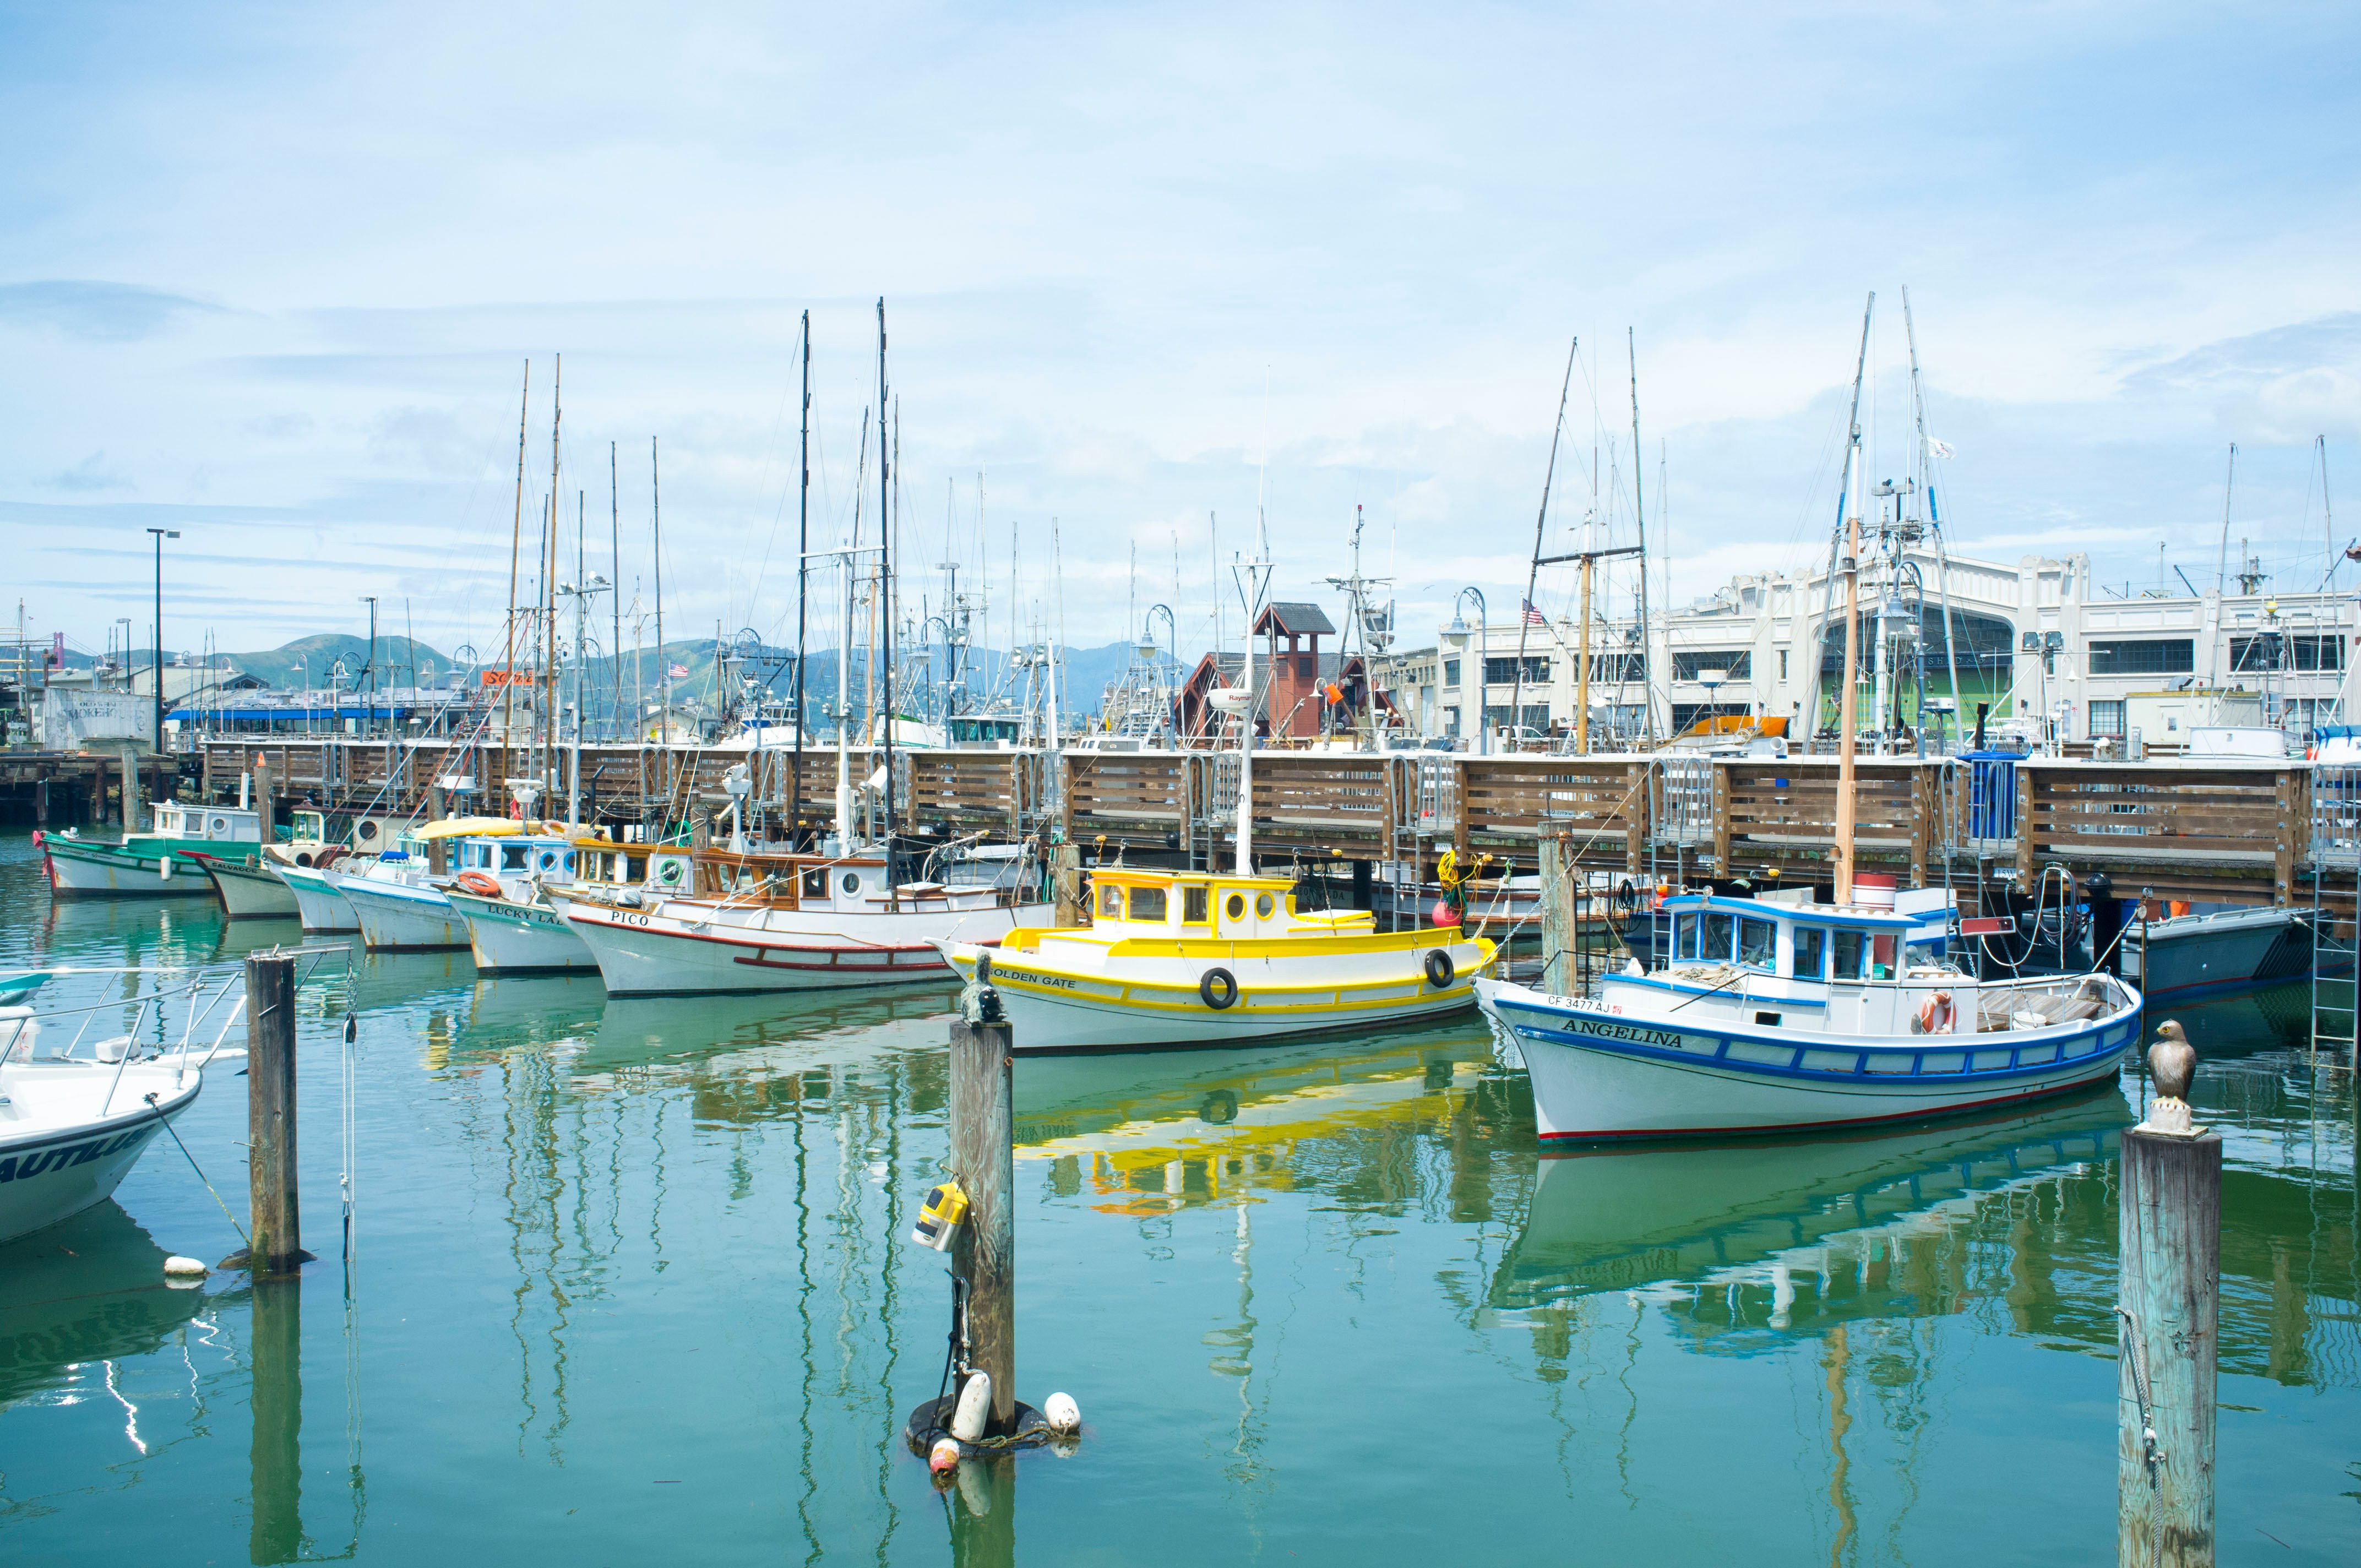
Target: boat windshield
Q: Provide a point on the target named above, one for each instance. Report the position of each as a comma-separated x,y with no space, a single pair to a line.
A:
1147,904
1862,955
1758,944
1811,952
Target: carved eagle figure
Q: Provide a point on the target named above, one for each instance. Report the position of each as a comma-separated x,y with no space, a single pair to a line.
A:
2171,1061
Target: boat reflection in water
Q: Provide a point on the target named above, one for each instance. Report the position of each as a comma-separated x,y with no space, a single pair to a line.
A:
78,1296
1153,1133
1808,1232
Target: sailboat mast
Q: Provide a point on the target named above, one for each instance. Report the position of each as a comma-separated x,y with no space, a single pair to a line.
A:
1849,508
615,590
549,589
803,585
1934,523
516,548
655,529
886,581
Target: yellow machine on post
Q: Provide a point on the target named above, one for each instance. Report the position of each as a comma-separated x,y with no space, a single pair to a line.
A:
940,1216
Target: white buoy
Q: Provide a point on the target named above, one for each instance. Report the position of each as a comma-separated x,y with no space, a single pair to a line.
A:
185,1266
1063,1414
974,1407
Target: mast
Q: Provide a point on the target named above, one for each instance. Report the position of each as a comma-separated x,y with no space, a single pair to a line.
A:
1836,535
803,587
1533,573
886,582
1933,524
516,548
615,553
549,589
655,523
1848,510
1639,521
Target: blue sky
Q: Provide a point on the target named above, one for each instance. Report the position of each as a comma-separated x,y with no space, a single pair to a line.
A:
272,274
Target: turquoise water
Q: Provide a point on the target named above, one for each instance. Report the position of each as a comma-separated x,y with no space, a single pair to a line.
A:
628,1285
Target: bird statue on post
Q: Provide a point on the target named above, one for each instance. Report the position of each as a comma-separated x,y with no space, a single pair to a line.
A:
2171,1065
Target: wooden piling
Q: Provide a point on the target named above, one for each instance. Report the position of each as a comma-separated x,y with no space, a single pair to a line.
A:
2170,1299
983,1158
130,790
1560,915
276,1245
265,804
1067,879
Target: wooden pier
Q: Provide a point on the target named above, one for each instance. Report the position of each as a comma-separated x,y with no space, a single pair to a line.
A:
2232,832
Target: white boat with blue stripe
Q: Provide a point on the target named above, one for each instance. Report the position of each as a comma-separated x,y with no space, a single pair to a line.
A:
1774,1017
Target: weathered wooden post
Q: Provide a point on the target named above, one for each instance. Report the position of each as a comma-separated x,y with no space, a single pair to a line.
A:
1561,915
1067,879
2167,1301
275,1243
275,1530
438,853
130,790
265,805
983,1155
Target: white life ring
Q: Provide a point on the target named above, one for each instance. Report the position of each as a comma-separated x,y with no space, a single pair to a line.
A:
1935,1014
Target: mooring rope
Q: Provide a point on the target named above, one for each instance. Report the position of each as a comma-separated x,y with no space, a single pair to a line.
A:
208,1185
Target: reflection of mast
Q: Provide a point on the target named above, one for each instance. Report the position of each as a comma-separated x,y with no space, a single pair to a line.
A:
1841,1471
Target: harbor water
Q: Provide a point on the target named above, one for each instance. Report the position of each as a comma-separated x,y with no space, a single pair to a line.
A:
629,1282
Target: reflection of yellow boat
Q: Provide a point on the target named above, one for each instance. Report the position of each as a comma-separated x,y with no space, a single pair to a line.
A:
1627,1218
1151,1134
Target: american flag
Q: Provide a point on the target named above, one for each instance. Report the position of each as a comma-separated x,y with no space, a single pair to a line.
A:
679,672
1534,616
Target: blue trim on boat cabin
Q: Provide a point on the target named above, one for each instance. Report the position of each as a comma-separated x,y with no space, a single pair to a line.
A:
1817,914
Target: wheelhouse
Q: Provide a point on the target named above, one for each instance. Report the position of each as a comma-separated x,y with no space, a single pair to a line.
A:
1208,905
1813,943
551,858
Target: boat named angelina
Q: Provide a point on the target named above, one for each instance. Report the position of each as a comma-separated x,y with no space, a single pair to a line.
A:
1781,1018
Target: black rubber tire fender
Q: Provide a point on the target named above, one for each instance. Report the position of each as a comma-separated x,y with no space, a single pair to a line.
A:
1440,971
1218,988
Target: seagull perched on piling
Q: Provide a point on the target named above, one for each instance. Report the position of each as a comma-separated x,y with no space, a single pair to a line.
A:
2171,1065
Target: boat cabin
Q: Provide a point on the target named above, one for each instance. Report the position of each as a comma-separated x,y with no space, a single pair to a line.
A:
604,861
205,824
1812,966
549,857
1212,904
845,885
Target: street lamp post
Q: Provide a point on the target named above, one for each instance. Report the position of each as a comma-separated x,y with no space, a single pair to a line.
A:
161,534
1459,630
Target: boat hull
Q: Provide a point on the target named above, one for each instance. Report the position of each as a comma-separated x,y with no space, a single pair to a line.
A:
508,938
2214,955
651,953
1052,1008
54,1173
1600,1076
324,910
252,893
108,870
395,918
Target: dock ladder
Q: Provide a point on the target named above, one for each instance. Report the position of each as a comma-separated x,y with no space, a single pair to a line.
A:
2335,854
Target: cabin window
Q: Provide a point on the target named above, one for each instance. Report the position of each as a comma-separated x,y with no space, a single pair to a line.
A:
1758,944
1110,903
512,857
1263,906
1684,936
1720,932
1852,955
1147,904
1919,954
851,884
635,867
1195,905
1236,907
1880,956
1811,952
815,883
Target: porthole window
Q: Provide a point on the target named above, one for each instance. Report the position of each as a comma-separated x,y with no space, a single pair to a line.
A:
1263,906
851,883
1236,907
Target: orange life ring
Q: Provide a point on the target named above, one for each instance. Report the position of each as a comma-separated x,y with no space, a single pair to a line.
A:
1936,1013
482,883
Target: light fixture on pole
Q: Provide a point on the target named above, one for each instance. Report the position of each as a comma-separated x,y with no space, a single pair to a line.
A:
161,534
1459,630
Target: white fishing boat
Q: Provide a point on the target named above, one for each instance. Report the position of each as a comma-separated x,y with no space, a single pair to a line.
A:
250,888
72,1126
1785,1017
764,921
399,899
1782,1017
502,890
320,904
